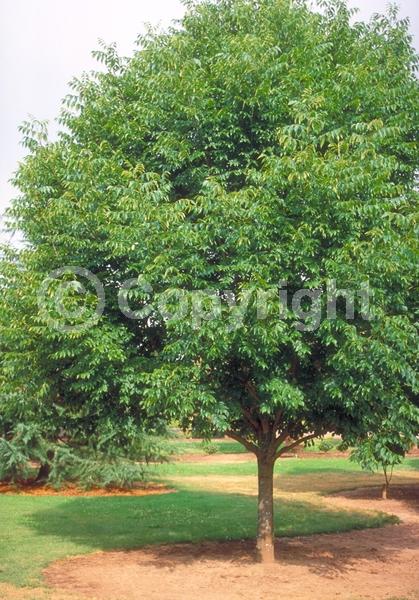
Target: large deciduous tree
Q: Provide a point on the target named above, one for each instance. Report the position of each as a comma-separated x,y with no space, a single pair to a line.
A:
256,149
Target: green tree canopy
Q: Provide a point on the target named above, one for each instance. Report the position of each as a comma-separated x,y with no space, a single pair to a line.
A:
256,145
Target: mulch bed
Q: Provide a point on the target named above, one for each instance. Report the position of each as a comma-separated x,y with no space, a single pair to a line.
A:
73,490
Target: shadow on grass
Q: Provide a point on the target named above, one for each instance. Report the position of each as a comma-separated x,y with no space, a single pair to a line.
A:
407,493
38,530
338,482
186,516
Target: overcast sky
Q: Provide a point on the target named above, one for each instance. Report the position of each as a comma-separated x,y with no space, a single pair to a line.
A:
43,44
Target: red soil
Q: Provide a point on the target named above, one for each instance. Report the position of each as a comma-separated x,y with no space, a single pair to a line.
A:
73,490
359,565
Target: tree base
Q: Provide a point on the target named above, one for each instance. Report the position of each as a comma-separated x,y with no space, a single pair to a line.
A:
265,550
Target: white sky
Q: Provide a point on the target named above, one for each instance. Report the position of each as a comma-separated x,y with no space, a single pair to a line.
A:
44,43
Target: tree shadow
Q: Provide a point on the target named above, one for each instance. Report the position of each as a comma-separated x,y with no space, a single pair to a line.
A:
221,526
407,493
337,482
334,554
325,555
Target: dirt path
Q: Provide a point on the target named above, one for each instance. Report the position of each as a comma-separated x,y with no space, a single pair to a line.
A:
243,457
370,564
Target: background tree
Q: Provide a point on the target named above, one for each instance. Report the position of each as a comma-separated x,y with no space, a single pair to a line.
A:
75,390
386,447
257,143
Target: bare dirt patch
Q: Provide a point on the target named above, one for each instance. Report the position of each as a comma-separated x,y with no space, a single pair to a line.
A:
240,457
371,564
243,457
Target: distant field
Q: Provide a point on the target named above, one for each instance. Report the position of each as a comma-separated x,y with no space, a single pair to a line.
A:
223,446
285,466
226,446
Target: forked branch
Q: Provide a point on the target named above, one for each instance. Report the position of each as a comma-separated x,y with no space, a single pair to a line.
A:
249,445
306,438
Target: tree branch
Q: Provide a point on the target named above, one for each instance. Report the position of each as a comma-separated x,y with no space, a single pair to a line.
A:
277,420
293,366
249,445
282,436
257,424
265,425
248,416
297,443
249,386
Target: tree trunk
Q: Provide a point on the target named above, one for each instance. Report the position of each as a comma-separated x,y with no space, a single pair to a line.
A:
45,468
265,535
43,473
386,485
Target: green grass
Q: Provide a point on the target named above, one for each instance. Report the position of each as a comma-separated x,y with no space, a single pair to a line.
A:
288,466
314,447
226,446
37,530
182,446
409,464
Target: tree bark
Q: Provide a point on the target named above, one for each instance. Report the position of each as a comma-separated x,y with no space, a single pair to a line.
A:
45,468
386,485
265,535
43,473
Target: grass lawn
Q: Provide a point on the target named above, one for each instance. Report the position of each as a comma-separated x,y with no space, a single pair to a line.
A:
226,446
284,466
223,446
37,530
